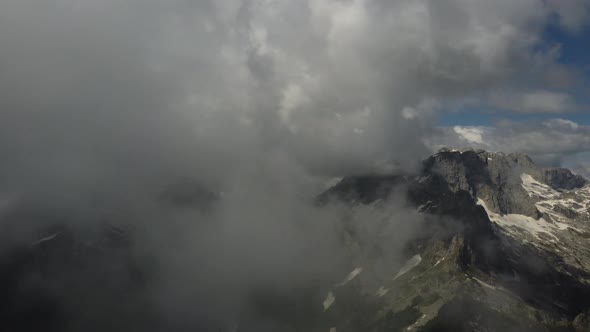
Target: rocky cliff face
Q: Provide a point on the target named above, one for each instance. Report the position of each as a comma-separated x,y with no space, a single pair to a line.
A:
496,178
514,255
561,178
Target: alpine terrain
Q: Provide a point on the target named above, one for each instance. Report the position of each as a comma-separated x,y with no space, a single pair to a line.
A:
504,248
491,242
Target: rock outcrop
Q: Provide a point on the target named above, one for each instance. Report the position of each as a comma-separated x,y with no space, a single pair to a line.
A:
513,255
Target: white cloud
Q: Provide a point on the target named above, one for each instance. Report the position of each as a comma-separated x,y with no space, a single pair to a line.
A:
470,134
550,142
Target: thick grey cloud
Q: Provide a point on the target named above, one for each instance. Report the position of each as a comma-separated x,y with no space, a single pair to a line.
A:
103,104
572,14
95,89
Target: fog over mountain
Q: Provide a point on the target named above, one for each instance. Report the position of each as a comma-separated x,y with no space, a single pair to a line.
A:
199,134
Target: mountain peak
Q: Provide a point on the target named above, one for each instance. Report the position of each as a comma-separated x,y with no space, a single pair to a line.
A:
557,178
503,237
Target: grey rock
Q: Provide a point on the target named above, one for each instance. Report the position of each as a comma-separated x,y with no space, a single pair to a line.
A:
562,178
493,177
476,275
582,322
565,211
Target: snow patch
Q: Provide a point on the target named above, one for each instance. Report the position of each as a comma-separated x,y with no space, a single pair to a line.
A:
423,178
382,291
525,223
416,323
536,188
353,274
557,218
329,301
485,284
410,264
45,239
424,206
438,261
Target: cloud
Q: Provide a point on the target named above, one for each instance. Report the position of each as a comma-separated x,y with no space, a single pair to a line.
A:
571,14
550,142
535,102
469,134
338,85
580,164
106,104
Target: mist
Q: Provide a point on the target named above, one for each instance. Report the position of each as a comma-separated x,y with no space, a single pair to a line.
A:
106,106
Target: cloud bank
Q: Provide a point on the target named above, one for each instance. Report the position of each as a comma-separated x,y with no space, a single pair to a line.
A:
553,142
95,89
105,104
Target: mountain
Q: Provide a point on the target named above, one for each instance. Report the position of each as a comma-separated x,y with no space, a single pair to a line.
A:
66,281
476,241
505,247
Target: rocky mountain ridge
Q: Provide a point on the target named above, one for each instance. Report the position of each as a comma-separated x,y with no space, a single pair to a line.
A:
516,250
477,241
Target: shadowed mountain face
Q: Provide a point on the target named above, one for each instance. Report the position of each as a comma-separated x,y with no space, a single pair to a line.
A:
65,282
482,241
504,247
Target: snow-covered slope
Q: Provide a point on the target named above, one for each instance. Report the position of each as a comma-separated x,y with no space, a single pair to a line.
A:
505,247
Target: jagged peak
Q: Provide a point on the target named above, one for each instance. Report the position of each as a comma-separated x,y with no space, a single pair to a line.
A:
558,178
496,177
459,151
